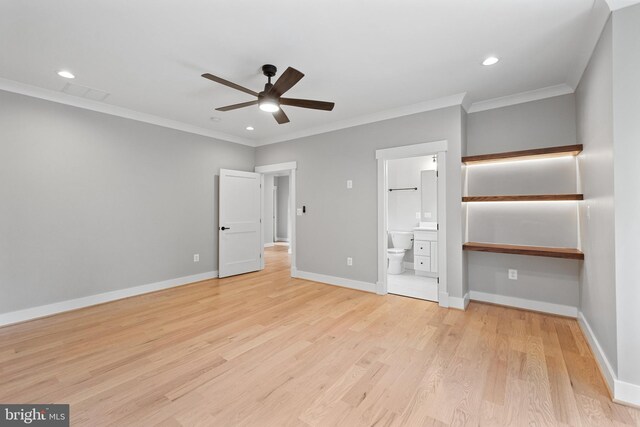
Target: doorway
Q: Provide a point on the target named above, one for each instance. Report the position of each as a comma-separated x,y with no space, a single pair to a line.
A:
412,221
279,216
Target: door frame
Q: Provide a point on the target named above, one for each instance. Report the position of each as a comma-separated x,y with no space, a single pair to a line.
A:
290,168
274,214
383,156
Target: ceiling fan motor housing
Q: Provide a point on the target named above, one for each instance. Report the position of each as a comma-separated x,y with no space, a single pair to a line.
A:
269,70
265,97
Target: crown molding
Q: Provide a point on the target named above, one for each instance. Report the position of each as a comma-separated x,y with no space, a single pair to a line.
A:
519,98
466,102
461,99
620,4
598,16
101,107
434,104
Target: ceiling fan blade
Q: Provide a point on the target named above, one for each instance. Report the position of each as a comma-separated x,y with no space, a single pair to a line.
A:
236,106
307,103
228,83
287,80
280,117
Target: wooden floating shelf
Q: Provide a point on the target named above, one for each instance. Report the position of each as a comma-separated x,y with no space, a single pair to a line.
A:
566,150
524,198
543,251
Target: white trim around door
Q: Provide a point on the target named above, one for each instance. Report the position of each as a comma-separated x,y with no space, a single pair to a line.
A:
290,168
416,150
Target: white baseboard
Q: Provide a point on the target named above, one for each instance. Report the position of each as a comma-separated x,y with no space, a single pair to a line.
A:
282,239
527,304
626,393
268,245
74,304
408,265
459,303
596,349
337,281
443,299
622,392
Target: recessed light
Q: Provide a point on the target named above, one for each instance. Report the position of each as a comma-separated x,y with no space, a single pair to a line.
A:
490,61
249,128
66,74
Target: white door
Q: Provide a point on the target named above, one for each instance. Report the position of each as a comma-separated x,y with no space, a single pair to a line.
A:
239,231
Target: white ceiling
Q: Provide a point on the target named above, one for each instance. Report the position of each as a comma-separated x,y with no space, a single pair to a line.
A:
368,56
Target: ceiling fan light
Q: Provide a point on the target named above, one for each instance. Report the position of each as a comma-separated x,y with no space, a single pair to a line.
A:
269,106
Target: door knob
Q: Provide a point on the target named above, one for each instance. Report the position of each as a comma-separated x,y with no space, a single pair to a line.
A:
225,228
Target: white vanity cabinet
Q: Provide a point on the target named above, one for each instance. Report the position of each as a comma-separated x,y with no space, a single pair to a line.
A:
425,251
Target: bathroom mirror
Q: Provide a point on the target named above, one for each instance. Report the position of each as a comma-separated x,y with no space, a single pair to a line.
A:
429,196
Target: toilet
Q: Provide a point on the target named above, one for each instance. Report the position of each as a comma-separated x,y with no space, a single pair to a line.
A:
401,240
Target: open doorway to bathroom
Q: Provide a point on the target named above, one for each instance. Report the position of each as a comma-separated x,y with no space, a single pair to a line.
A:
412,215
412,203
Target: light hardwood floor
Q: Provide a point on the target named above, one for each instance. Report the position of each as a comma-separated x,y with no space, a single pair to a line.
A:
266,350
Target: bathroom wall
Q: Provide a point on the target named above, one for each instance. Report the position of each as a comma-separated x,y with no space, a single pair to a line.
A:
405,206
429,195
537,124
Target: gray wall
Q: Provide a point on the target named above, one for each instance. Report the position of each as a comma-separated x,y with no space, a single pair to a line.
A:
626,131
93,203
536,124
594,107
544,123
340,222
283,207
268,209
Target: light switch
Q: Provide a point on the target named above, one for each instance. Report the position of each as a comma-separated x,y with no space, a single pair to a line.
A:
349,183
299,211
417,215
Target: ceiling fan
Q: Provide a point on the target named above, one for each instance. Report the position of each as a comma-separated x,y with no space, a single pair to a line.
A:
270,99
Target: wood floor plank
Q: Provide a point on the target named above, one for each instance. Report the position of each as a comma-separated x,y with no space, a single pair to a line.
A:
263,349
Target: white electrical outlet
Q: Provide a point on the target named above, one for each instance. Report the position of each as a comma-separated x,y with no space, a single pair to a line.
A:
427,215
349,183
349,261
196,257
513,274
417,215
